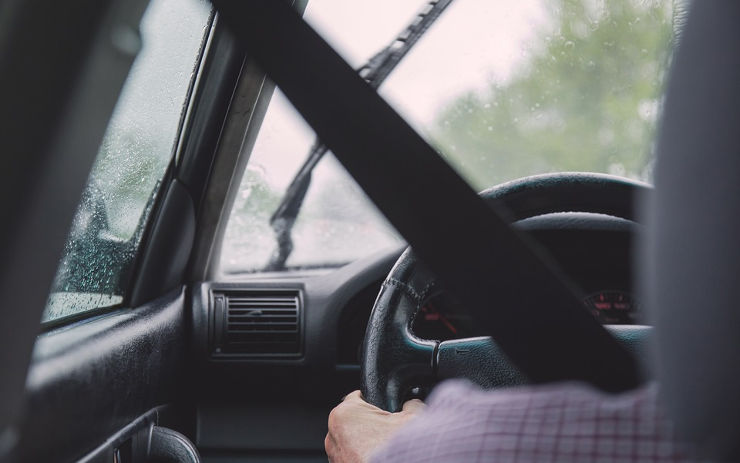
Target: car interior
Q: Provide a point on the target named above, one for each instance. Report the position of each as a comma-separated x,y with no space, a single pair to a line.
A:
151,312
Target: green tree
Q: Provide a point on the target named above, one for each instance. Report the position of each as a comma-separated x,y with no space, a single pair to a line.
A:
586,99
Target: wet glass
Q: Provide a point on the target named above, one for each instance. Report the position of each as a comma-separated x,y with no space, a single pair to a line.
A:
515,88
138,144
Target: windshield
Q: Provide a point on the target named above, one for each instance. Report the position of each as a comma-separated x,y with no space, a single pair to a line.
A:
539,86
502,89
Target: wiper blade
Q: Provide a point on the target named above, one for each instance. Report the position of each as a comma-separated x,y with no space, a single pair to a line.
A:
285,215
375,71
382,63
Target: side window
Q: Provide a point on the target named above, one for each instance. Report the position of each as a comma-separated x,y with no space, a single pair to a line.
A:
138,144
336,223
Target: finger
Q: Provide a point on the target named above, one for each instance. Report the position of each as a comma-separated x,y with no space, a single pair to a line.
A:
330,447
329,444
413,406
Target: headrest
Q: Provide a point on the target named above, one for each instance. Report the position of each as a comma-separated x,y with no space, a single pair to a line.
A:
693,246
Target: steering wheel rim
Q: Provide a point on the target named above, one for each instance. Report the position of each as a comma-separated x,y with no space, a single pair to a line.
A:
393,357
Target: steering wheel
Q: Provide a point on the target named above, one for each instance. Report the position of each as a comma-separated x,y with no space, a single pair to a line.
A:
394,359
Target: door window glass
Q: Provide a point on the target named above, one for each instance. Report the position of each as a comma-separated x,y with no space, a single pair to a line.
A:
137,147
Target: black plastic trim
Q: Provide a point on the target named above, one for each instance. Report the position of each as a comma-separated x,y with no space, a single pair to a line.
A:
91,379
214,333
165,258
169,446
211,101
75,317
133,437
323,297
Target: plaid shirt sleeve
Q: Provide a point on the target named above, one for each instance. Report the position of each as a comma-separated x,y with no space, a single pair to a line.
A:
566,422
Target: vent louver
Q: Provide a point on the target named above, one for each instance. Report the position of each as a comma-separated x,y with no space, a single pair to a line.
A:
257,322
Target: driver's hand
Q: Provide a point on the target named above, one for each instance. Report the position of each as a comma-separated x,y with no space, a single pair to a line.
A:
357,429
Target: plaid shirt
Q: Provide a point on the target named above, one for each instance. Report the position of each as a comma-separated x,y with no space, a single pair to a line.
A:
553,423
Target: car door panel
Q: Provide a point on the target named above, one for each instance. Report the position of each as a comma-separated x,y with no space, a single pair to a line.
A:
91,379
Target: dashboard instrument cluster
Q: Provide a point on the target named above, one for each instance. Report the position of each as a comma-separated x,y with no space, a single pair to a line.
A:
442,318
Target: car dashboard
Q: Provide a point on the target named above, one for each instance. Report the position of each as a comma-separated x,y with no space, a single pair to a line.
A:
284,347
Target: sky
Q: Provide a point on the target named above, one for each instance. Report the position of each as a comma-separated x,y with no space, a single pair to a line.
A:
474,43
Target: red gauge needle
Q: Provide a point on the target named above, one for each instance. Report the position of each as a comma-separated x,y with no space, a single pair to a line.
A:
448,324
444,320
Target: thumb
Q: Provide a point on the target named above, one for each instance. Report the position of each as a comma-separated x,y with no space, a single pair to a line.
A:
414,406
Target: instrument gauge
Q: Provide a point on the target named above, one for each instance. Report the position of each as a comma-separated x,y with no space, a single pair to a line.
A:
613,307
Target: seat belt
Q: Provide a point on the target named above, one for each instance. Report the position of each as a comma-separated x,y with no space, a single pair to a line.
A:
518,296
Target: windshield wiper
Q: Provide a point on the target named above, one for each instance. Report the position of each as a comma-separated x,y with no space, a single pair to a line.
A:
375,71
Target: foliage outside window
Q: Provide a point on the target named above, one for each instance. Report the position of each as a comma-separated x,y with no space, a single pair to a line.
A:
585,98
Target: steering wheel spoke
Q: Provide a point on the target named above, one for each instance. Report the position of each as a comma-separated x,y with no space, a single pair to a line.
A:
481,361
393,357
477,359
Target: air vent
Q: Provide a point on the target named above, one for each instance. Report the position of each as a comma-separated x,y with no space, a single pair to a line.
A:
257,322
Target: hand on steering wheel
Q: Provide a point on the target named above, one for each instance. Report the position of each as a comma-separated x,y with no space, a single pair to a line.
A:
357,429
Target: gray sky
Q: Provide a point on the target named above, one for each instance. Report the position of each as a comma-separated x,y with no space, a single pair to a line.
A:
473,43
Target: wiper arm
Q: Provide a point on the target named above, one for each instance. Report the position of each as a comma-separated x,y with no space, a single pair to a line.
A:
285,215
375,71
